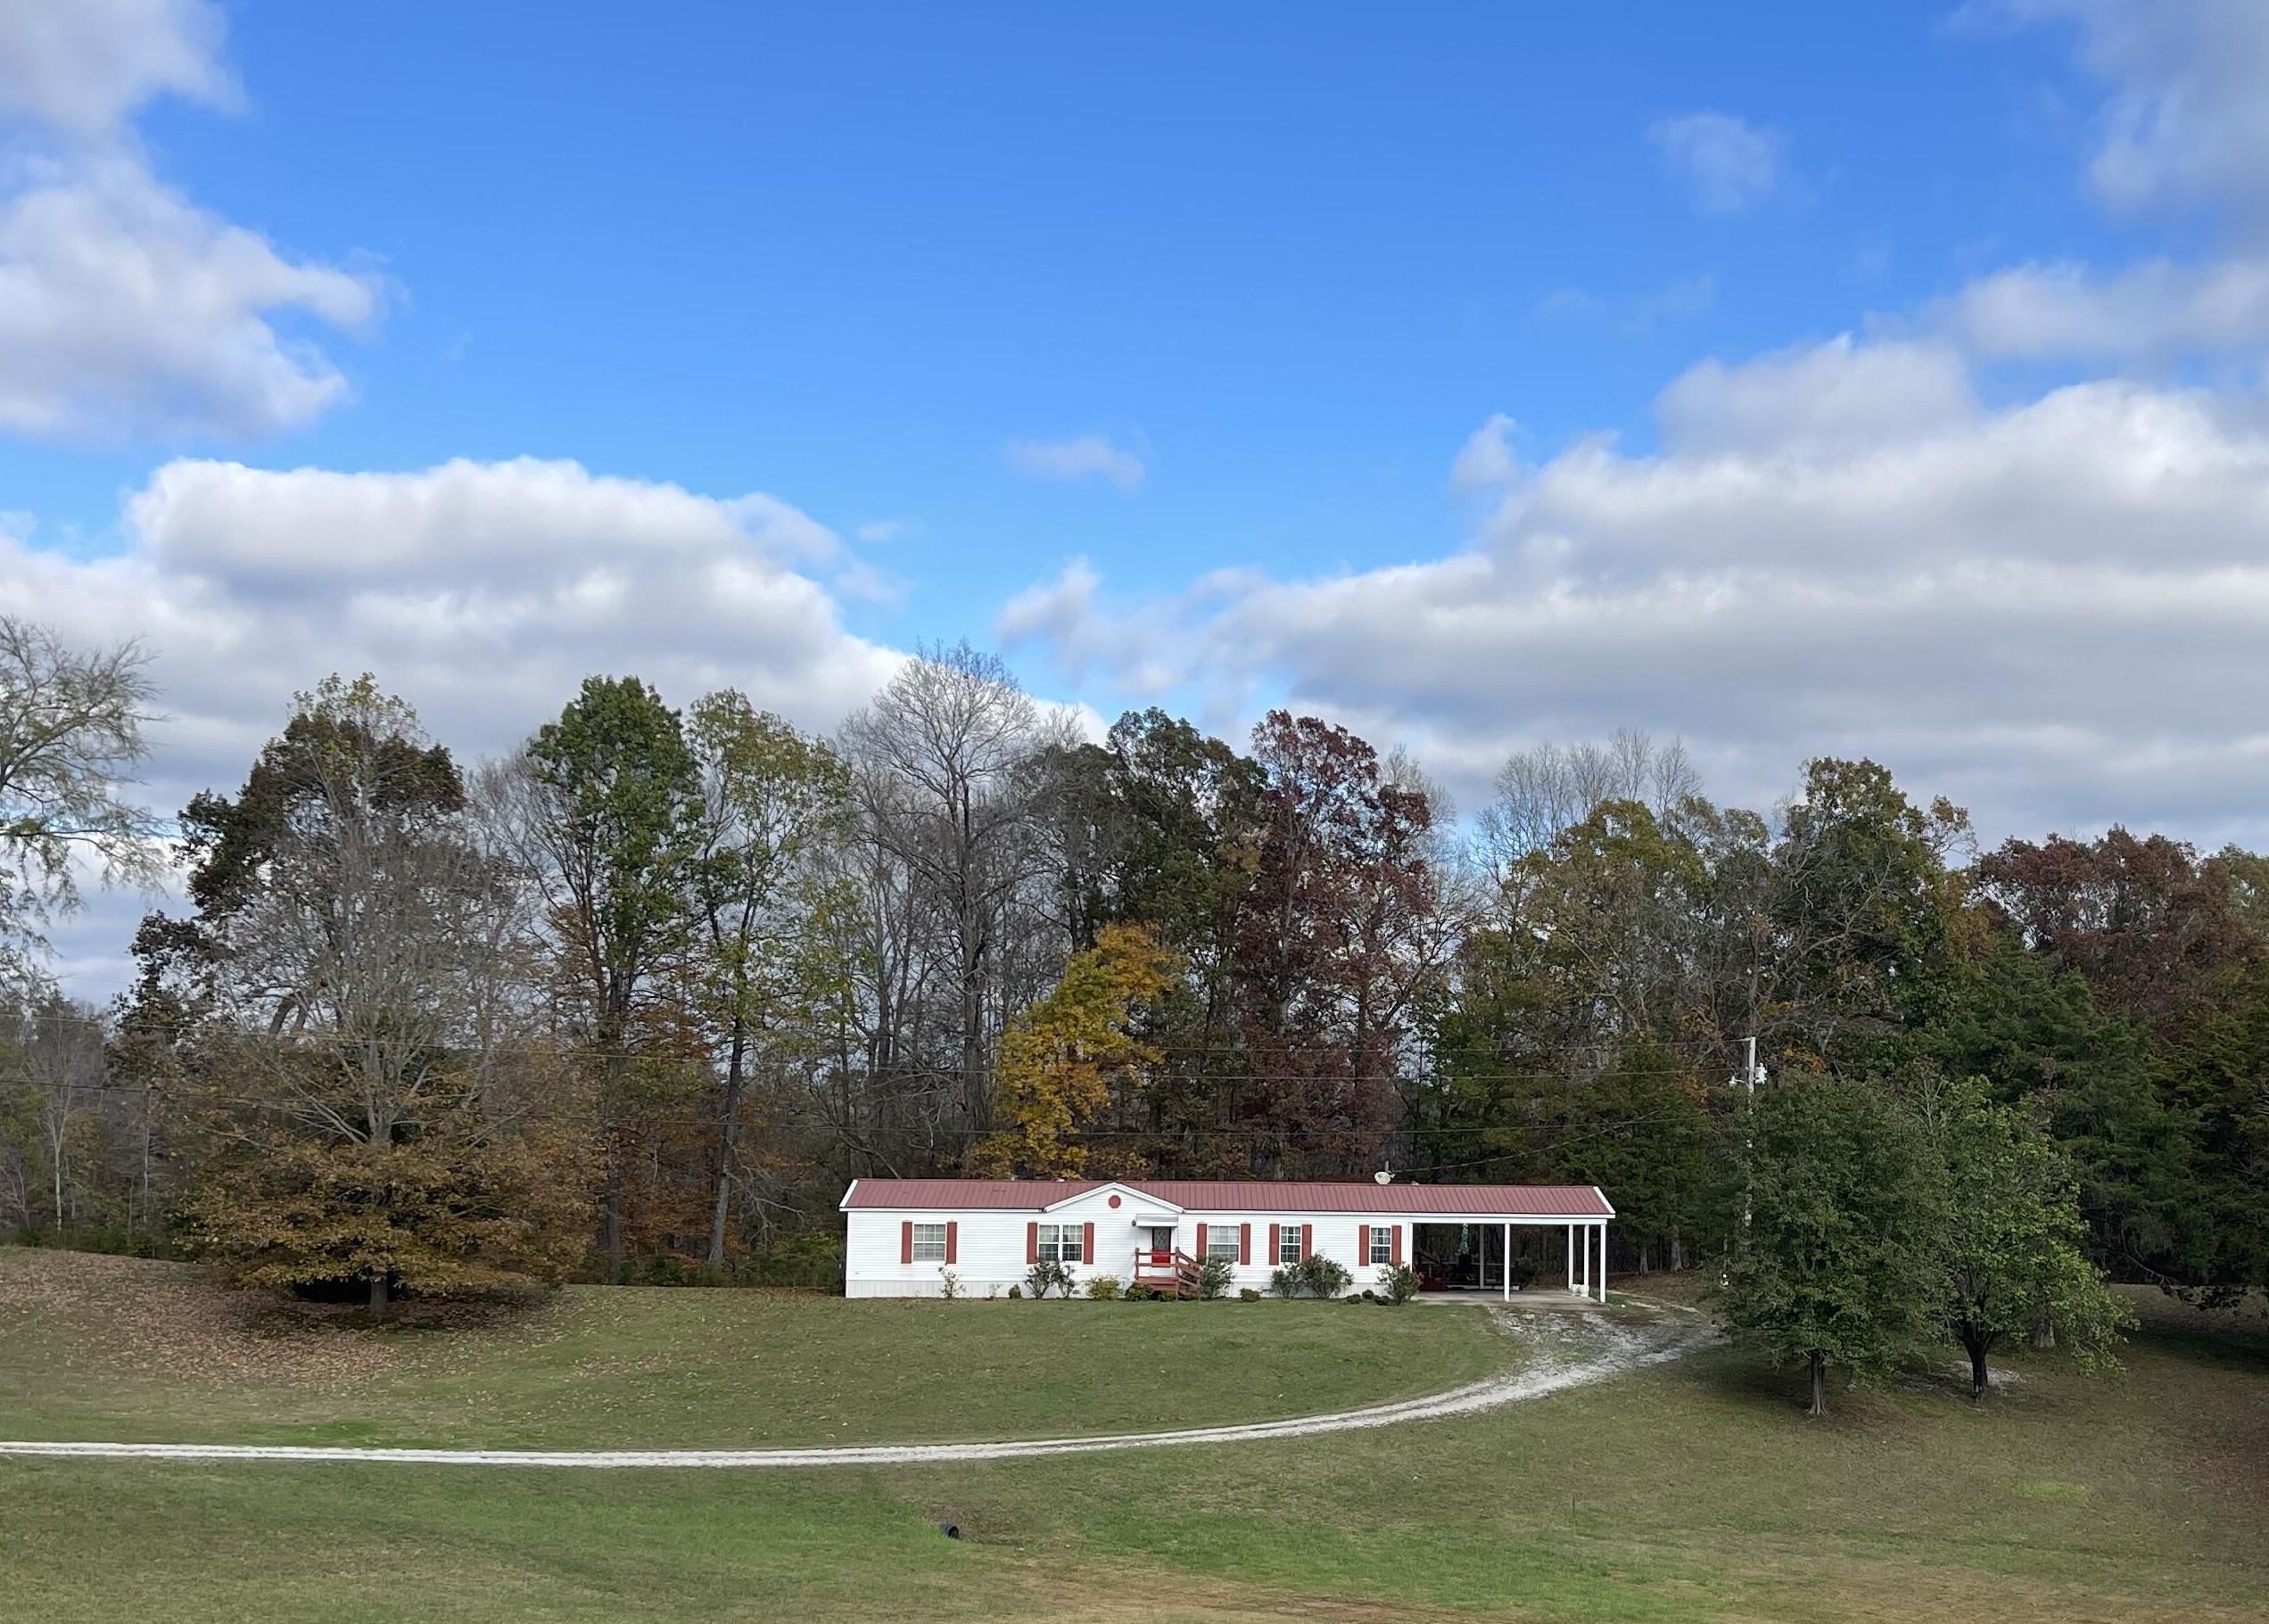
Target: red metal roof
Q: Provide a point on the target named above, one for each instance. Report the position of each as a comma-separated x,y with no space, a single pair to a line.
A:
1237,1195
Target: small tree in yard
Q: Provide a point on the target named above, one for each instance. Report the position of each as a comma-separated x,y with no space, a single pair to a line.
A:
1834,1265
1399,1282
2009,1235
1215,1275
1045,1276
1324,1278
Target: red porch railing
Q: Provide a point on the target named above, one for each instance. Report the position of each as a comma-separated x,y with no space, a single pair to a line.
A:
1175,1269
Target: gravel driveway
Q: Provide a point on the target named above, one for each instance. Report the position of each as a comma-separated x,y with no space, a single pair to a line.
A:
1559,1350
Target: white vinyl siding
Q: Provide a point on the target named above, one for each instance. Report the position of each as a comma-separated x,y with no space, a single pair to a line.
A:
995,1247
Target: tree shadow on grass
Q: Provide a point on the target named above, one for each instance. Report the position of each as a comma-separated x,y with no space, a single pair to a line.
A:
409,1315
2235,1338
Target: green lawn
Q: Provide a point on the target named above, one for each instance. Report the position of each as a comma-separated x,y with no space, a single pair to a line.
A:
118,1349
1692,1491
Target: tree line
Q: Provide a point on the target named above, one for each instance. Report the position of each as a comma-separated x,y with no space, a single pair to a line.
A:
636,999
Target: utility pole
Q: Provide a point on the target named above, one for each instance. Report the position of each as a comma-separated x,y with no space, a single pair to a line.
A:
1751,1073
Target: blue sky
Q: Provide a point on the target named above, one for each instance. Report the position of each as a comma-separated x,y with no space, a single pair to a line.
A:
1867,378
847,255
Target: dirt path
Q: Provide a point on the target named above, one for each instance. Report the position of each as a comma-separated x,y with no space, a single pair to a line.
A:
1563,1350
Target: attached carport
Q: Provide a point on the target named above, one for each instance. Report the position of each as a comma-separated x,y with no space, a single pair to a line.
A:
1465,1241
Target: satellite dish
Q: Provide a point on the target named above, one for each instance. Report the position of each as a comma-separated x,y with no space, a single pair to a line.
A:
1384,1175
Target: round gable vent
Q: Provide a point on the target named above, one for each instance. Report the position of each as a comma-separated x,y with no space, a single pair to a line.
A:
1114,1200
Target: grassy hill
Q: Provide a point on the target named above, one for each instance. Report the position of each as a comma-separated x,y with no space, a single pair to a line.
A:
1690,1491
122,1348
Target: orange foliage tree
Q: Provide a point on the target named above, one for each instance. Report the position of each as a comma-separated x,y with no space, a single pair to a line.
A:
1064,1059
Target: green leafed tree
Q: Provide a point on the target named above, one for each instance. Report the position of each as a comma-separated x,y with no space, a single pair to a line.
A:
607,808
2008,1241
2216,1079
1861,903
1833,1263
770,797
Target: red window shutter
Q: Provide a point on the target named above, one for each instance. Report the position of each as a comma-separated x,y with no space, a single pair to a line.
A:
906,1241
1032,1243
1088,1243
1276,1250
1244,1244
1397,1233
1202,1252
1362,1246
953,1241
1308,1242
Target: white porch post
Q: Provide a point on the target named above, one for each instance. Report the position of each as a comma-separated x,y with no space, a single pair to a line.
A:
1571,1257
1505,1266
1583,1275
1602,1260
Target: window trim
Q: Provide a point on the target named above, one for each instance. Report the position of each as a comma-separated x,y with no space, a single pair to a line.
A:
1382,1246
921,1246
1222,1241
1288,1239
1066,1246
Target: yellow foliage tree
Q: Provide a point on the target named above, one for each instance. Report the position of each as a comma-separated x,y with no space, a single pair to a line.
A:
1061,1059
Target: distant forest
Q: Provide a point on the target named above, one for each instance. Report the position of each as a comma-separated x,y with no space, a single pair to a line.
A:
637,1000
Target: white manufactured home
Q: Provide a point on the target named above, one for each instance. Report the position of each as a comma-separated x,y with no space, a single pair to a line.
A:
904,1235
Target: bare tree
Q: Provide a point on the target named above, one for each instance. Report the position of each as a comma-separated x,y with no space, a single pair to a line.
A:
944,789
53,1136
71,737
1543,791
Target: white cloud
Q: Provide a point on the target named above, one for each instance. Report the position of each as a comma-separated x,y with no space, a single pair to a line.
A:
1143,651
1056,610
2156,310
126,309
483,592
82,66
1839,394
1728,163
2184,123
1487,459
2187,122
1089,456
2051,611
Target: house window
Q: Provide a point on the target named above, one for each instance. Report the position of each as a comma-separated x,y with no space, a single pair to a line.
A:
1221,1241
1288,1234
930,1243
1382,1246
1060,1242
